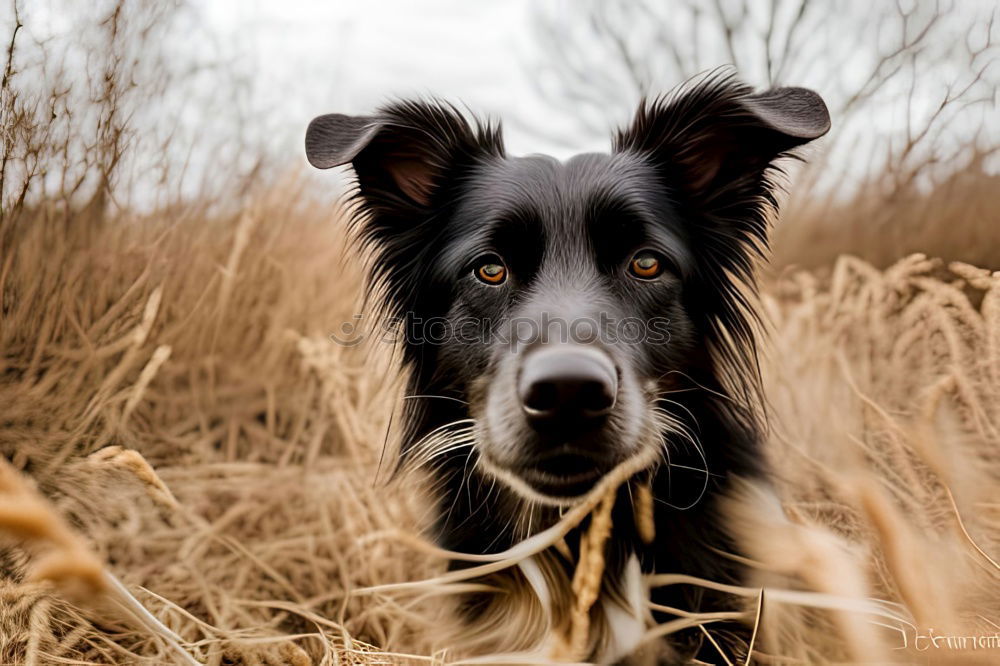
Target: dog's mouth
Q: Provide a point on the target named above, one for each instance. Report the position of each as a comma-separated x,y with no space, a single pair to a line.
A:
565,475
559,479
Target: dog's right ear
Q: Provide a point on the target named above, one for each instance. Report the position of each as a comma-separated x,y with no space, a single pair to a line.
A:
405,155
335,139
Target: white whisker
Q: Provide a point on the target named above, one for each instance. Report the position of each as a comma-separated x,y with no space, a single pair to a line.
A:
438,397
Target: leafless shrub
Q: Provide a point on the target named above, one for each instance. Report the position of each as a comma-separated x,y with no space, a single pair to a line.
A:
97,110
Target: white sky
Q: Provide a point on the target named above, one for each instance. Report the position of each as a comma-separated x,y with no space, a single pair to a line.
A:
316,57
311,56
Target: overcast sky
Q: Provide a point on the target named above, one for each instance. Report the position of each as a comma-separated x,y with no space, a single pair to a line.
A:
312,56
315,56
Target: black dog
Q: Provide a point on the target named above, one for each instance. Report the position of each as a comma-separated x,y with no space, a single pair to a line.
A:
562,318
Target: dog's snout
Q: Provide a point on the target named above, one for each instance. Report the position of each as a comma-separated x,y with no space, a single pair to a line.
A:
567,387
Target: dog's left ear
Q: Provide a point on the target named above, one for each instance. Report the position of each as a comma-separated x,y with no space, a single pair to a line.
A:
718,137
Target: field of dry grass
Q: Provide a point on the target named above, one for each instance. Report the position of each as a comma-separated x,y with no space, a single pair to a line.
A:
169,388
890,217
192,471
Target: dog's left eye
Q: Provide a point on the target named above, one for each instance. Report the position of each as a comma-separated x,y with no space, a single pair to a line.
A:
491,271
645,265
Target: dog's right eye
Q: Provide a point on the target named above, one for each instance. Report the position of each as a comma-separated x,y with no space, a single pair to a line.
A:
490,271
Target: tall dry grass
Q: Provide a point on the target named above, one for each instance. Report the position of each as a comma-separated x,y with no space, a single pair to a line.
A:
954,217
883,386
191,463
197,347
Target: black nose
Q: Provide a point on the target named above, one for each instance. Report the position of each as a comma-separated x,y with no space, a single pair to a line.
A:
567,387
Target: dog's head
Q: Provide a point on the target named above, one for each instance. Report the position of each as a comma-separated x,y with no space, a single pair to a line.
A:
549,304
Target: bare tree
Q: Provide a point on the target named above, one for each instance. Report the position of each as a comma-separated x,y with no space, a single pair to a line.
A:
899,77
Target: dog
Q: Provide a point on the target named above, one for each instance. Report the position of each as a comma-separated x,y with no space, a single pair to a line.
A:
562,319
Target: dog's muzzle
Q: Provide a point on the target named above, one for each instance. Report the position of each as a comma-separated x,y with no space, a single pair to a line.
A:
567,390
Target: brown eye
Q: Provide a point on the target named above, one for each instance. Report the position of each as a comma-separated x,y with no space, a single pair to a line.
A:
645,265
491,272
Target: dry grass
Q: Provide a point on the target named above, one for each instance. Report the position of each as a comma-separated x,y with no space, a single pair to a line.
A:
196,346
884,387
893,216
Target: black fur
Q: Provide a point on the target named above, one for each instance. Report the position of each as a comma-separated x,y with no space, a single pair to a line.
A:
690,179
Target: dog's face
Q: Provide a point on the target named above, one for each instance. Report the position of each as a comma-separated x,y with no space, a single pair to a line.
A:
568,281
556,301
